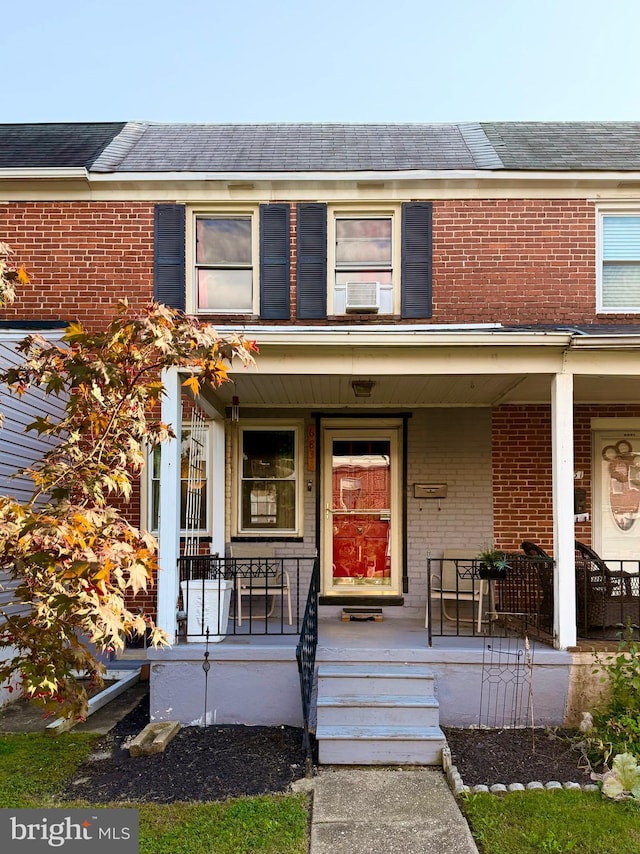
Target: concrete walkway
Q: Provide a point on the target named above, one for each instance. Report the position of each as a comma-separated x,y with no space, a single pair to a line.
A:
386,811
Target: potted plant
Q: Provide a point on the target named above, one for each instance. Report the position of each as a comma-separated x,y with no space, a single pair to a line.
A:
492,563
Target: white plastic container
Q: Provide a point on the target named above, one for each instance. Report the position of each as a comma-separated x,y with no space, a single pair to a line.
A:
214,595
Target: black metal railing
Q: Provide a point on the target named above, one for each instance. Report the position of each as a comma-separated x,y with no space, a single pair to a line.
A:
236,595
465,599
306,656
607,599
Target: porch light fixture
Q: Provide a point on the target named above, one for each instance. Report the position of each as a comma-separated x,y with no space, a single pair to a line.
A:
235,408
362,388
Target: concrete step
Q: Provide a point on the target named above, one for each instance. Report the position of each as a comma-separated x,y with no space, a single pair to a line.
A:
381,710
375,679
380,745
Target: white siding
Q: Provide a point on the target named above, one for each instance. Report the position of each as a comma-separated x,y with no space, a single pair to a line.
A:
18,448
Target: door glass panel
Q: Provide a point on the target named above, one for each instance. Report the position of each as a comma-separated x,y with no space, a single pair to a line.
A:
618,456
361,512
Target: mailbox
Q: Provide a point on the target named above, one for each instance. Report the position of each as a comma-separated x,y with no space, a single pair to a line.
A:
429,490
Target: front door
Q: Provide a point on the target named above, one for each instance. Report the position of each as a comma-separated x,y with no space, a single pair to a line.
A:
361,502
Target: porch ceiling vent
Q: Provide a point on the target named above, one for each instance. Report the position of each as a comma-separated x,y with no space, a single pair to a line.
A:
363,296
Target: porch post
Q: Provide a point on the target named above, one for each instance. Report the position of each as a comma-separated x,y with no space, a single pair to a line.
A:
218,491
169,506
563,521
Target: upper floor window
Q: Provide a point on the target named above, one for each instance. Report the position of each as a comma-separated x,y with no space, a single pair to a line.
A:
224,264
619,262
364,266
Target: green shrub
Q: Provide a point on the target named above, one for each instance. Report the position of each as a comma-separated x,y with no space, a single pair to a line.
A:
616,724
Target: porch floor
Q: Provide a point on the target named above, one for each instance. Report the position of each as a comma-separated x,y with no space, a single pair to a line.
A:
390,637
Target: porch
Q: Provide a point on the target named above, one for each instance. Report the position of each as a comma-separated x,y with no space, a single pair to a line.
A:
266,595
466,438
376,690
254,679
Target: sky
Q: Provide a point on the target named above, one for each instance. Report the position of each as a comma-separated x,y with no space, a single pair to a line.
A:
330,60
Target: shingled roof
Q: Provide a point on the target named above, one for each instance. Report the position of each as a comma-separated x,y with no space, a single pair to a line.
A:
324,147
566,145
300,148
55,146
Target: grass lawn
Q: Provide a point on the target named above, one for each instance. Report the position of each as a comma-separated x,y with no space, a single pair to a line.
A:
34,767
553,822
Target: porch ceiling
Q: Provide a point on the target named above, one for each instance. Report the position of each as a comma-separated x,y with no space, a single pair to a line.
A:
331,391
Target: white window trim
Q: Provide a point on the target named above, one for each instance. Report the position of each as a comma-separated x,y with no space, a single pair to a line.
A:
365,211
220,212
146,491
281,533
601,212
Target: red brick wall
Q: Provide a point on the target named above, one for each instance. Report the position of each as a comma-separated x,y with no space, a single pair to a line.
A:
81,257
509,261
522,492
514,261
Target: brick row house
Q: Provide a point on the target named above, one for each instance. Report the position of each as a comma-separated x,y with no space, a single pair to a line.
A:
447,324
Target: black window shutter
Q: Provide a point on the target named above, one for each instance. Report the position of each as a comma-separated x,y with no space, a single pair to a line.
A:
416,259
312,261
168,256
274,262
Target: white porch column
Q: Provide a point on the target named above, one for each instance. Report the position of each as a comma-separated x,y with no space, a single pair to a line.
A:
169,506
218,492
563,521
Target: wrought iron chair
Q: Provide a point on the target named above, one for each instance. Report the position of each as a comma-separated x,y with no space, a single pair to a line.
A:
262,574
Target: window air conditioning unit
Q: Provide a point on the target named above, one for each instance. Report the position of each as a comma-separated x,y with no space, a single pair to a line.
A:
363,296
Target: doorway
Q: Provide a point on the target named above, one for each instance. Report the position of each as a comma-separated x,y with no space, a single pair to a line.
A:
361,518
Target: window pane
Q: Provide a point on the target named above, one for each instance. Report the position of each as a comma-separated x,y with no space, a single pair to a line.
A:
621,286
194,493
155,505
225,290
268,490
363,242
223,241
193,507
268,454
621,238
155,462
268,504
385,277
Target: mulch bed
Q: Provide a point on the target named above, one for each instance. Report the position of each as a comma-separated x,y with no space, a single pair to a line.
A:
219,762
200,764
488,756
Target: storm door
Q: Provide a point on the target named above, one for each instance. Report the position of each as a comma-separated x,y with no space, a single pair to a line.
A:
361,511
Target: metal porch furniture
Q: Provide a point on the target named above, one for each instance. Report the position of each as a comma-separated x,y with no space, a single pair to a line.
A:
459,582
605,597
258,572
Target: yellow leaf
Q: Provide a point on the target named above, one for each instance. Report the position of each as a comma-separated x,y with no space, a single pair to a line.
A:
23,278
193,384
